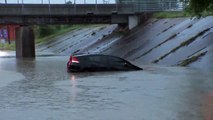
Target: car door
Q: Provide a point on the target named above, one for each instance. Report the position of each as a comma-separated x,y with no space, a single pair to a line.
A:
116,63
98,62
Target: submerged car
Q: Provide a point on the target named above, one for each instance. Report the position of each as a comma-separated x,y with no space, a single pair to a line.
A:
98,62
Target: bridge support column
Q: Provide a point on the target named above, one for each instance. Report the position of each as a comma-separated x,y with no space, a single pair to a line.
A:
25,42
134,21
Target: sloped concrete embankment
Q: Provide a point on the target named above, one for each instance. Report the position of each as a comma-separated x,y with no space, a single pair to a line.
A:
78,40
177,41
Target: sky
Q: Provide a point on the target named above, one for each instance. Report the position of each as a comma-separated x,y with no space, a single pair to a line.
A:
57,1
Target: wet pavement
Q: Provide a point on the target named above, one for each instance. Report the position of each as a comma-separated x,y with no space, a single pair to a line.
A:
41,89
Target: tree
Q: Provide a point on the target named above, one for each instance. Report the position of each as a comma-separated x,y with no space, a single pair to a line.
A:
198,6
68,2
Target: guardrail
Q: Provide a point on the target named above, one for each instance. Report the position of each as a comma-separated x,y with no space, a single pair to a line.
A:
57,1
156,5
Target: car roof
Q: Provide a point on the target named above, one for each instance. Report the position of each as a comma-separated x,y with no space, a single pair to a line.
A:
93,54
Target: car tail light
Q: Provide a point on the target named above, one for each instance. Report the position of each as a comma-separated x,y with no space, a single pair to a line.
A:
74,59
70,58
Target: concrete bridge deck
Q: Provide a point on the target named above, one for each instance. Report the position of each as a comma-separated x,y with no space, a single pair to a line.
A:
79,13
64,13
64,9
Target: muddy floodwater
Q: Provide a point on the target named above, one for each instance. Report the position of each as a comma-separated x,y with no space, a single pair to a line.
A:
41,89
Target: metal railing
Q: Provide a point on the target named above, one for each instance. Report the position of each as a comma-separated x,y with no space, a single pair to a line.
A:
57,1
155,5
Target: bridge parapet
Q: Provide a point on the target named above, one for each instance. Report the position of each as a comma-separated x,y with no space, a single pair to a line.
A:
65,9
155,5
82,13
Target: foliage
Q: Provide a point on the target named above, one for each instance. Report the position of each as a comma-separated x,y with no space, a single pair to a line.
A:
193,8
69,2
7,46
199,6
56,31
170,14
45,30
192,59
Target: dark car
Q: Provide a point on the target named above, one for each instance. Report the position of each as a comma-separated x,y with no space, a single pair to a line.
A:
97,62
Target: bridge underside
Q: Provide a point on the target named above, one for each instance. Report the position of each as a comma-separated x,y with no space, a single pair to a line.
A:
30,14
86,19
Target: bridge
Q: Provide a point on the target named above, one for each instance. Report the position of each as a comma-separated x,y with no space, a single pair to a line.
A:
28,14
78,13
121,12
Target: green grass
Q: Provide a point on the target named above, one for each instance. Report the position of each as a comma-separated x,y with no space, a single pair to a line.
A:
7,46
207,13
192,59
173,14
57,33
63,31
177,14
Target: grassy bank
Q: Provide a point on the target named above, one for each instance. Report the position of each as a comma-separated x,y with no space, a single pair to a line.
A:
178,14
7,46
173,14
54,31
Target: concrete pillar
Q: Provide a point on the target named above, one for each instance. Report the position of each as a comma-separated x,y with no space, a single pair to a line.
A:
25,42
133,21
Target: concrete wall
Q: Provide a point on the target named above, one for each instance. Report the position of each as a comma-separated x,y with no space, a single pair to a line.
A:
64,9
